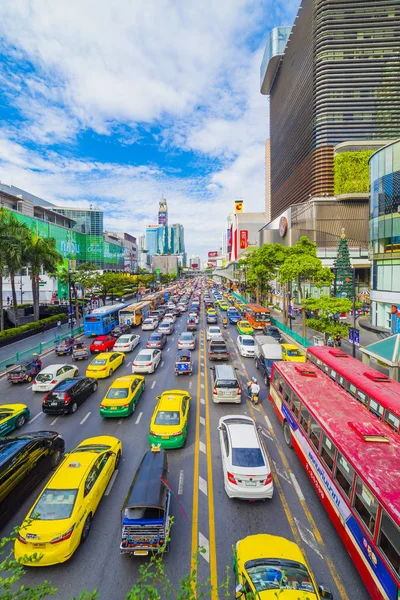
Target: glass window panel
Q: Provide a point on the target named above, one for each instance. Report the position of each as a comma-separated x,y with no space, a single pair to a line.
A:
333,374
352,389
361,397
396,157
392,420
328,451
304,419
344,474
366,505
376,408
295,405
315,433
389,541
388,154
396,278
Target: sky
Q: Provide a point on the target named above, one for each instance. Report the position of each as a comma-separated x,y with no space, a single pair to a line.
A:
116,104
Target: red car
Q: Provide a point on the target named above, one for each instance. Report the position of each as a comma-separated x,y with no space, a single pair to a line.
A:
103,343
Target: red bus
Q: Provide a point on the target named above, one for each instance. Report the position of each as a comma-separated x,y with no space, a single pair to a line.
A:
257,316
376,391
353,461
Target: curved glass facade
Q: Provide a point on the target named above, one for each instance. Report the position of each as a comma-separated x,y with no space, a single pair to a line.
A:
385,232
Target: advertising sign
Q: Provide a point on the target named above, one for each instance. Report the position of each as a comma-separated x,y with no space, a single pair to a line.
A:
211,254
229,240
238,206
244,238
354,335
195,265
395,326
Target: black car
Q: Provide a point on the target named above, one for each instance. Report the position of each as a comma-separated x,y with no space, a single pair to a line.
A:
24,461
156,340
120,330
273,332
68,395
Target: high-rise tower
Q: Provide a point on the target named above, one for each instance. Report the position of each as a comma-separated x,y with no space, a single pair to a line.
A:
163,213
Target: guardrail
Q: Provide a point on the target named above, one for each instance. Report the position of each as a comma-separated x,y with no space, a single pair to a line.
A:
293,334
239,297
39,349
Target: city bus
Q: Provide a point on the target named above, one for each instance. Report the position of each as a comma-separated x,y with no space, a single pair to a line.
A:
374,390
257,316
101,320
353,462
134,314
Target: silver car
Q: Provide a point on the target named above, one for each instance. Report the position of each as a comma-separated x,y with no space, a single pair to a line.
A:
187,341
166,327
146,361
150,324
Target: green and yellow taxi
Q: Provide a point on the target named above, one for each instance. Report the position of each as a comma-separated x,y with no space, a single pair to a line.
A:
66,506
105,364
169,423
244,327
12,416
291,353
268,565
223,304
122,396
211,311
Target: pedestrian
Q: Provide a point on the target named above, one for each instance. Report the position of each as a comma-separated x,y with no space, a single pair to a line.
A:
70,322
73,322
58,324
8,299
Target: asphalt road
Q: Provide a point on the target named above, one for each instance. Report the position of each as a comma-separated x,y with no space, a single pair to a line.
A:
207,516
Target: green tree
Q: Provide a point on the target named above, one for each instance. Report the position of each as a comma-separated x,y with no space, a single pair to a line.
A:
41,254
344,272
261,267
109,284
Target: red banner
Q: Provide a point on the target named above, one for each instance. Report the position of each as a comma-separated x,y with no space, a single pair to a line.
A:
211,254
244,238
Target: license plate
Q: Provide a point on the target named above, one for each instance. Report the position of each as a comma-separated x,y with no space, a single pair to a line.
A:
165,437
114,408
141,552
39,545
250,483
53,403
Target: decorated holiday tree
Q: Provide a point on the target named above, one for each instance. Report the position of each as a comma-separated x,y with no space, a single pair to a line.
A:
344,273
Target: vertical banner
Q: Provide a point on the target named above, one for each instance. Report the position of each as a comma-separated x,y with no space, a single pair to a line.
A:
229,240
238,206
244,238
395,326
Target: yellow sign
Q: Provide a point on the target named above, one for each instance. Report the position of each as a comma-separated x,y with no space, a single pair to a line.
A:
238,206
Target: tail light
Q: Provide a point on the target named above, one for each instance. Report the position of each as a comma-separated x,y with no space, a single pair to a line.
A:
269,479
67,399
65,536
125,406
148,365
35,382
45,398
103,369
21,539
215,389
231,478
53,381
176,434
152,433
239,391
102,406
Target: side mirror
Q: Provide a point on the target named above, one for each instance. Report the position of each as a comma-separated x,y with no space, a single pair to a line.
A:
239,591
219,428
324,592
158,397
212,368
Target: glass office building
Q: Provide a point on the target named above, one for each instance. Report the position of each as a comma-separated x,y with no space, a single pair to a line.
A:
385,233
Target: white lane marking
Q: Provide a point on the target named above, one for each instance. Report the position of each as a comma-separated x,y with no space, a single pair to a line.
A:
162,363
204,547
267,435
173,339
120,422
111,482
202,447
29,387
256,408
202,375
202,400
128,364
190,385
181,481
85,418
202,420
268,422
153,384
168,349
140,415
55,421
297,487
282,473
203,485
308,537
36,417
202,385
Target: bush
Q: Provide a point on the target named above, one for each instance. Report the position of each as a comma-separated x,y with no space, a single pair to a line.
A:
328,327
9,334
351,172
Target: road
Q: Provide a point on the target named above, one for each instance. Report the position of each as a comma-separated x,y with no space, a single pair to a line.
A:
207,516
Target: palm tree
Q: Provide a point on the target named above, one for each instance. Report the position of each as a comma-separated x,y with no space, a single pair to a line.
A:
41,255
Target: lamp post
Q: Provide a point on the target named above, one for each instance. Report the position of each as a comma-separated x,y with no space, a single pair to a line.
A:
70,311
354,311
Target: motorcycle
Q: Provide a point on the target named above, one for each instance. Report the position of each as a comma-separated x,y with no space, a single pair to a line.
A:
225,325
254,398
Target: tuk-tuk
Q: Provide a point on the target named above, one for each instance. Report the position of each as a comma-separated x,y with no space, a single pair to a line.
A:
145,517
80,351
26,371
183,363
65,346
191,324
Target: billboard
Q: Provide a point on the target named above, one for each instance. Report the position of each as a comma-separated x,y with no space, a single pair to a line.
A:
238,206
229,240
194,265
162,218
211,254
244,239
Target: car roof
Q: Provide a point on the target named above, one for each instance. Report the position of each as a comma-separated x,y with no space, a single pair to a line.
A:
169,402
73,470
247,337
121,382
52,368
264,545
289,346
242,433
67,383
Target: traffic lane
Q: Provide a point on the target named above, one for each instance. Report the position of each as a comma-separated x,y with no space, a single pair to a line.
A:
133,449
343,565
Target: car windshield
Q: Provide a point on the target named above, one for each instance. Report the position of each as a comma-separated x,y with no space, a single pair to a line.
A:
148,321
124,339
98,342
143,358
165,417
215,330
55,504
117,393
5,413
273,574
99,361
247,457
186,336
247,342
165,326
294,352
44,377
260,316
154,337
91,448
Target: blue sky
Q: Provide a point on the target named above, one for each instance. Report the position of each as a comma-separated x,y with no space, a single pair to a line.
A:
119,103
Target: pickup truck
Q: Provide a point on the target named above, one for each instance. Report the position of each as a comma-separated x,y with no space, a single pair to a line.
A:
267,350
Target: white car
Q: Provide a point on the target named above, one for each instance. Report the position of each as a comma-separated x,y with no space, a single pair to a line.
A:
194,315
146,361
246,470
150,324
182,307
245,344
166,327
127,342
187,341
52,375
213,331
170,317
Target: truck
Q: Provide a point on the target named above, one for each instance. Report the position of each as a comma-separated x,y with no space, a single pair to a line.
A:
267,350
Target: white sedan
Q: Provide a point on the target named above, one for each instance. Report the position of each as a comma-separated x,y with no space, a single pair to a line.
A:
166,327
52,375
170,317
246,470
146,361
127,342
245,344
213,331
150,324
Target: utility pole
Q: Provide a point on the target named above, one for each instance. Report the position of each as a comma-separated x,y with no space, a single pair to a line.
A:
290,304
70,312
354,311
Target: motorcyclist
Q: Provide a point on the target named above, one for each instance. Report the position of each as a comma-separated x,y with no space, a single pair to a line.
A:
224,322
253,389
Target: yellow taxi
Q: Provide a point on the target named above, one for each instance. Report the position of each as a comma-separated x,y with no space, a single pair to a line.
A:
122,396
291,353
211,311
12,416
267,565
169,423
64,510
223,305
244,327
105,364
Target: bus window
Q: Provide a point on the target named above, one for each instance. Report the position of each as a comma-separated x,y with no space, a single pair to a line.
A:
363,398
392,420
315,433
342,381
376,408
327,451
305,419
351,388
333,374
389,541
279,382
288,393
366,505
295,405
344,474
